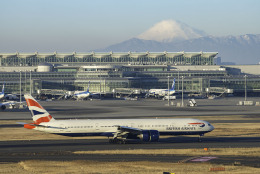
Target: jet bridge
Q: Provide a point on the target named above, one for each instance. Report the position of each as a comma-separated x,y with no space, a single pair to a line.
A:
219,91
52,93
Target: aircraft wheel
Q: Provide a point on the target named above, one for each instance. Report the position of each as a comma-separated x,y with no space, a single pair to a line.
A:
122,142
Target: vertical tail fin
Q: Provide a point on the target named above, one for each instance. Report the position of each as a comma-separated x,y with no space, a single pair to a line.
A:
3,89
88,86
39,114
173,85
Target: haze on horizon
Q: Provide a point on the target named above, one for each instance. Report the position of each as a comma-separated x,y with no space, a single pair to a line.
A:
81,26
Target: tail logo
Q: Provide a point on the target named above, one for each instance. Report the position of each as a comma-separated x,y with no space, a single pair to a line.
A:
39,114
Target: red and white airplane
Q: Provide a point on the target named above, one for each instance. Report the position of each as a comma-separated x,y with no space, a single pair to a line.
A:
119,129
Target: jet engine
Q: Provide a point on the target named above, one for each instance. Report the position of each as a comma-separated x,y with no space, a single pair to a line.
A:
150,135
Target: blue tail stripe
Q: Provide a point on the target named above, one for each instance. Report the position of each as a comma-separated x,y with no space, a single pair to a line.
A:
37,112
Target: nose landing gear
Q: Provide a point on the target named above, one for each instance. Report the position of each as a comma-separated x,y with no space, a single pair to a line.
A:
199,139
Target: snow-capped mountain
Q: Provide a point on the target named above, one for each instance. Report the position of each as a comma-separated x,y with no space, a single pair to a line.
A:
171,31
174,36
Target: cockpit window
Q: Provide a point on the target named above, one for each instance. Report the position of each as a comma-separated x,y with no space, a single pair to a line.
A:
209,124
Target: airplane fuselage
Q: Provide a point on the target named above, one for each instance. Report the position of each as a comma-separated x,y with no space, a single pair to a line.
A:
161,92
107,127
82,95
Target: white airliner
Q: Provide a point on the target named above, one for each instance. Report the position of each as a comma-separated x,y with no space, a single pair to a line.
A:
2,94
118,129
10,104
163,92
80,95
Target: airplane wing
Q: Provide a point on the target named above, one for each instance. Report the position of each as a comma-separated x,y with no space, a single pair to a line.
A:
129,129
124,131
95,93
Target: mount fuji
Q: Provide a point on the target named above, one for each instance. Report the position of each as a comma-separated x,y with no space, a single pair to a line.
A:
174,36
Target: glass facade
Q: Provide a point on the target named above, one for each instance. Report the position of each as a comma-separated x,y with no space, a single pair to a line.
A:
176,58
124,77
108,71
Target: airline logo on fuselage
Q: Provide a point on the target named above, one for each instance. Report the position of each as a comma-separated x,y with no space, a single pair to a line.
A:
200,124
186,128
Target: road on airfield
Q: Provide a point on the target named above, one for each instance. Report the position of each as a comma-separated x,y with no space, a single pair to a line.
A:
13,151
61,150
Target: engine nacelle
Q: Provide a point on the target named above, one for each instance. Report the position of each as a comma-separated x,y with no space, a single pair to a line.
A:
150,135
145,136
154,135
3,107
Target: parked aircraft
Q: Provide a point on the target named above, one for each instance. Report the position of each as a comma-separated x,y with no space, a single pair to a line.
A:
80,95
119,129
163,92
10,104
7,96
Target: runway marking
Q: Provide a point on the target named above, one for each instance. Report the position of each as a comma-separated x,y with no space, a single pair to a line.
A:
203,159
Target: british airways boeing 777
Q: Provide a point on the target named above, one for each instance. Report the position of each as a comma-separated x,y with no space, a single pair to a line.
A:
119,130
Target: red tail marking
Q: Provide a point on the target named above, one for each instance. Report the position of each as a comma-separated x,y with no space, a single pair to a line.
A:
31,102
28,126
43,119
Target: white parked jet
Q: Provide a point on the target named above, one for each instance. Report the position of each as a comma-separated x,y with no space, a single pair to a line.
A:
10,104
80,95
119,129
163,92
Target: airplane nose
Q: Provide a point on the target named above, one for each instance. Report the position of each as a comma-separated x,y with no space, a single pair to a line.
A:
212,128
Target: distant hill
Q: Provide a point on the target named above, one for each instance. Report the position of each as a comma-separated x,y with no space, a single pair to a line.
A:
243,49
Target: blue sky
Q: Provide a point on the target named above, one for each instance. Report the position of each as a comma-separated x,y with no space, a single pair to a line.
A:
84,25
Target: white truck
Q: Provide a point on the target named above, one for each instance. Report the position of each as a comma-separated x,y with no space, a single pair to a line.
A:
171,97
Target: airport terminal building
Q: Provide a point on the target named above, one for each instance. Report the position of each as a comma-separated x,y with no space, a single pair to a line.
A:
111,72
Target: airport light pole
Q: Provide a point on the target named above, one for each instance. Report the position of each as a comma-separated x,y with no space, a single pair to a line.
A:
20,86
182,92
30,82
168,90
178,80
25,81
245,88
100,84
100,78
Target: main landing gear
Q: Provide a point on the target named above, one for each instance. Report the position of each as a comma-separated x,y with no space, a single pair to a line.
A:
117,141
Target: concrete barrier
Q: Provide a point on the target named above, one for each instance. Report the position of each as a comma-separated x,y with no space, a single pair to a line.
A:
248,103
217,169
